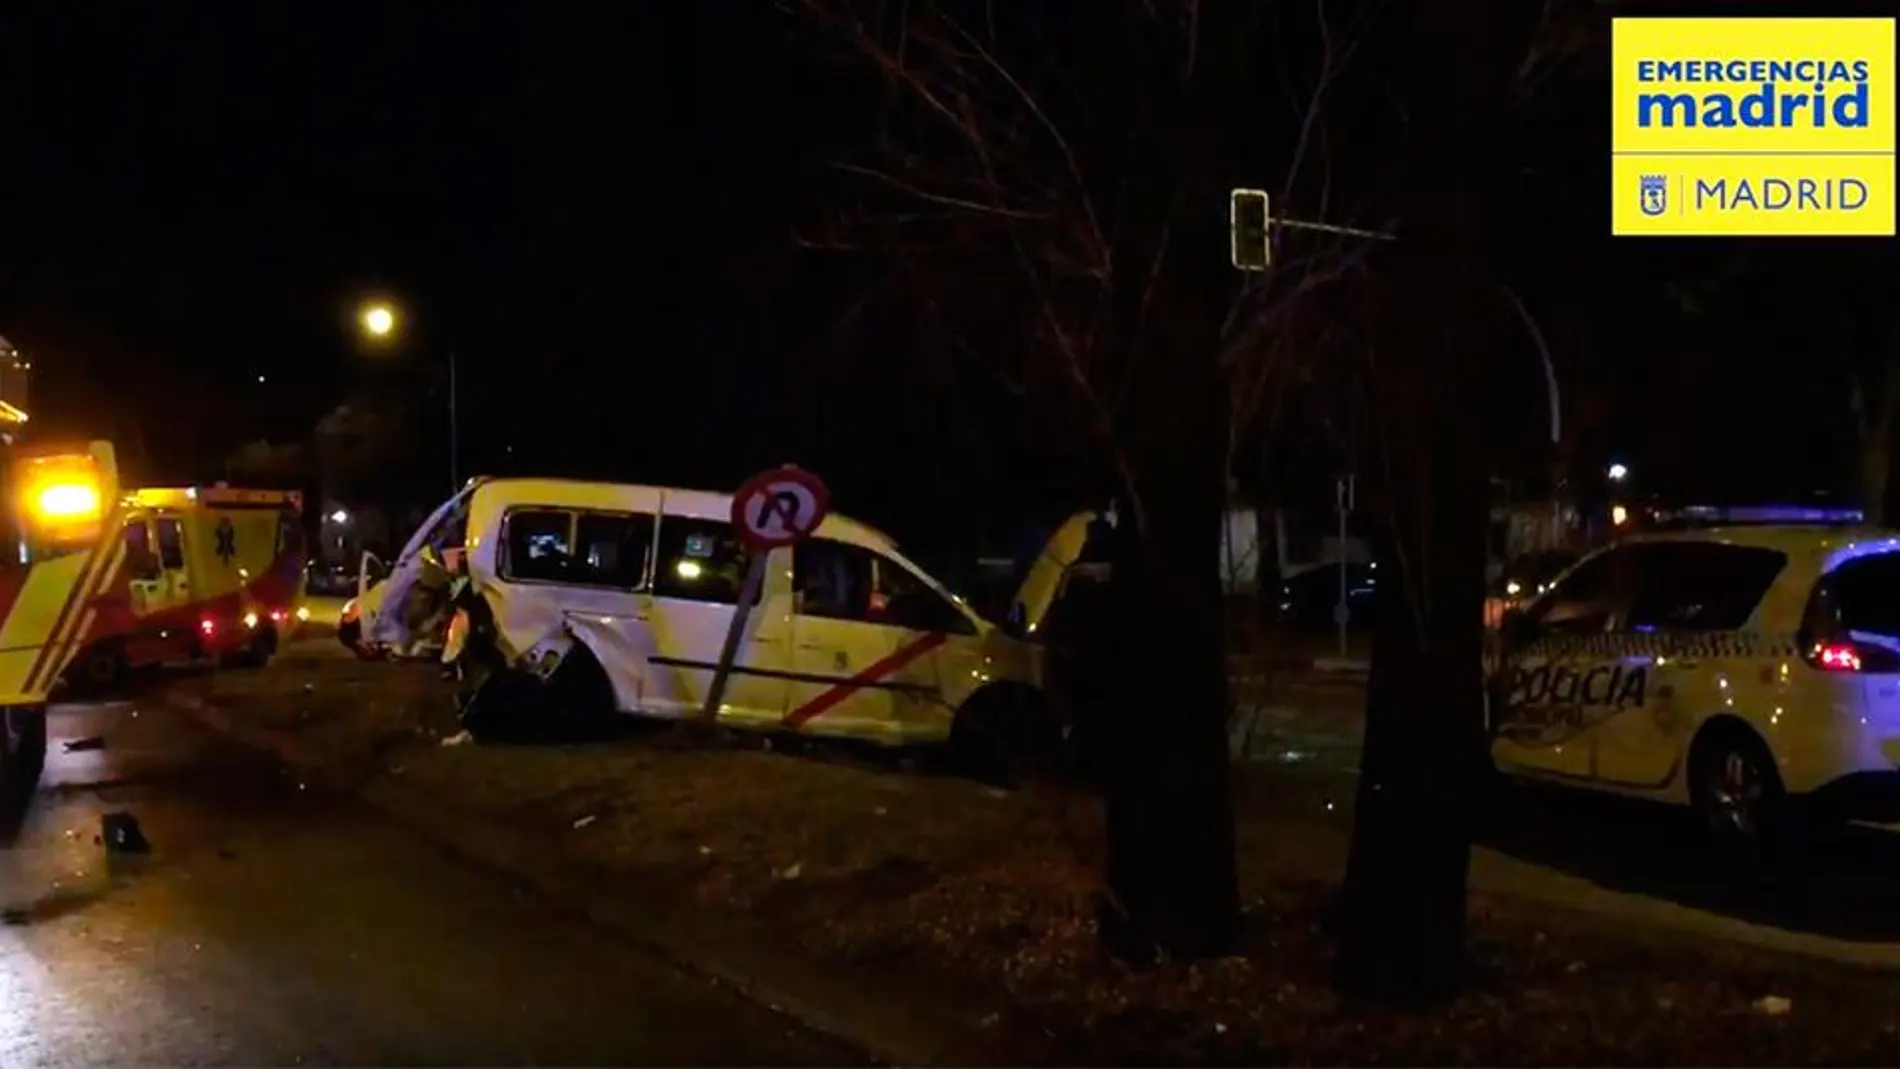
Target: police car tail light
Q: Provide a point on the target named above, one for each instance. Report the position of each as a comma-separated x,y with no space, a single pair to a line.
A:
1838,656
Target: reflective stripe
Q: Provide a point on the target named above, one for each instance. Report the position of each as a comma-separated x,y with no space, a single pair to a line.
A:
57,647
84,633
1739,644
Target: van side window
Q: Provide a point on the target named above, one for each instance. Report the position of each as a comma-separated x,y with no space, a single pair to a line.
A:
171,543
699,560
611,549
538,545
901,599
832,580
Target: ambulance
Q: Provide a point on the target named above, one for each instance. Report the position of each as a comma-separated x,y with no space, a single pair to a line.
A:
635,587
213,573
61,584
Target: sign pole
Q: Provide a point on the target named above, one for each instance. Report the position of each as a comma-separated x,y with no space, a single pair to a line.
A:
741,613
772,509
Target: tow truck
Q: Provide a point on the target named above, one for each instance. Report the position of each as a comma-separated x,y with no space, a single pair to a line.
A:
60,582
213,573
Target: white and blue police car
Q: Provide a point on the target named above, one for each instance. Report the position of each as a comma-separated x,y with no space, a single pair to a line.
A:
1746,664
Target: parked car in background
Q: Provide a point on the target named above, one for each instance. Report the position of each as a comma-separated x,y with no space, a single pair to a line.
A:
1308,598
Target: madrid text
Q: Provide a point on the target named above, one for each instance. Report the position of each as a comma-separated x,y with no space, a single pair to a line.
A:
1780,194
1754,94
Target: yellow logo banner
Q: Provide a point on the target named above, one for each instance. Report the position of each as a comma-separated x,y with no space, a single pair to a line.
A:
1741,127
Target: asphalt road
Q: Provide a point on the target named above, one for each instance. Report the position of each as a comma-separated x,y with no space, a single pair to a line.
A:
270,925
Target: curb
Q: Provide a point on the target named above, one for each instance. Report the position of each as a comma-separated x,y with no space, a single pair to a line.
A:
833,999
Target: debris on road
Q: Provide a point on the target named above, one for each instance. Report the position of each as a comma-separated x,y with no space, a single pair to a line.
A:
122,834
583,822
460,738
90,742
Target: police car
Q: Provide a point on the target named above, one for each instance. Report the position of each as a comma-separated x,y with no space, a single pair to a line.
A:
1735,668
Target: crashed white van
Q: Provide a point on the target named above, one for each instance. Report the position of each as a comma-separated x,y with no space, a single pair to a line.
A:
849,639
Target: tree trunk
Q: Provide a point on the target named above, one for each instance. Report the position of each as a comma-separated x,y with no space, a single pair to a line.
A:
1172,889
1402,907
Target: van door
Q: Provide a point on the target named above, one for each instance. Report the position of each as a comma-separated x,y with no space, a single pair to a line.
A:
865,653
174,591
155,635
584,571
698,573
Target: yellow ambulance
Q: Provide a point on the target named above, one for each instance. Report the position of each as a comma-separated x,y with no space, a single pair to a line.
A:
212,573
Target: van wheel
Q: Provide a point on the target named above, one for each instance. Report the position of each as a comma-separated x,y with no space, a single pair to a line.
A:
1008,736
1737,792
22,759
98,670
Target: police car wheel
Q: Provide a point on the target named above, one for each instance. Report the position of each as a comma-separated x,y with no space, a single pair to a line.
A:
1735,789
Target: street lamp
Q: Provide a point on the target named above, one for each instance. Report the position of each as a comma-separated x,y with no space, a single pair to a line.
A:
1619,472
379,321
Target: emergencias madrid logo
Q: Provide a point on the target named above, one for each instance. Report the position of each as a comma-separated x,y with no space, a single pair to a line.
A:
1752,127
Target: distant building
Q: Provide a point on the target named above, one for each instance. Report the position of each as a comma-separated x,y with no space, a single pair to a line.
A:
15,371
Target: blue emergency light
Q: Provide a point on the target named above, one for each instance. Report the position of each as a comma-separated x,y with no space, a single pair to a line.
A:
1789,514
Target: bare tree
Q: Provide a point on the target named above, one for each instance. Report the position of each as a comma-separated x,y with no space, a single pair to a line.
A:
266,463
1052,185
1441,315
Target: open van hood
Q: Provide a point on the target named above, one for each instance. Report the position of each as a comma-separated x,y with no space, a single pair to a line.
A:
1044,580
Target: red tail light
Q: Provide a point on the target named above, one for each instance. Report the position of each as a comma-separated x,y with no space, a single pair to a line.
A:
207,625
1839,657
1835,655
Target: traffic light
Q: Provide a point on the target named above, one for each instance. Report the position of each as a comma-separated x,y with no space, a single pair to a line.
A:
1247,223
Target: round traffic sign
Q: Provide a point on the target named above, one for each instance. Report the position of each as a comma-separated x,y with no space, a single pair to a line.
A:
779,507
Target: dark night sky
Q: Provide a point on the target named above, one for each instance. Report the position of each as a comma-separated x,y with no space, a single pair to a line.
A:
596,218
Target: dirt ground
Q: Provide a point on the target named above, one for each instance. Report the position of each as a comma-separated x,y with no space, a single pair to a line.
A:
865,863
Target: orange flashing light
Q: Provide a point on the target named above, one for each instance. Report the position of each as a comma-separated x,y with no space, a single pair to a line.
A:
61,490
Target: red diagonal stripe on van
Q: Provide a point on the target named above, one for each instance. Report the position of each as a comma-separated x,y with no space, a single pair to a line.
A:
877,670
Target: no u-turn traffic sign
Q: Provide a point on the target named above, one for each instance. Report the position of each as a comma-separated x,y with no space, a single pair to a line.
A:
779,507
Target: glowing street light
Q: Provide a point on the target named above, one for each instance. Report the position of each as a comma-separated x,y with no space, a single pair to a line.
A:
379,320
379,323
1619,472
